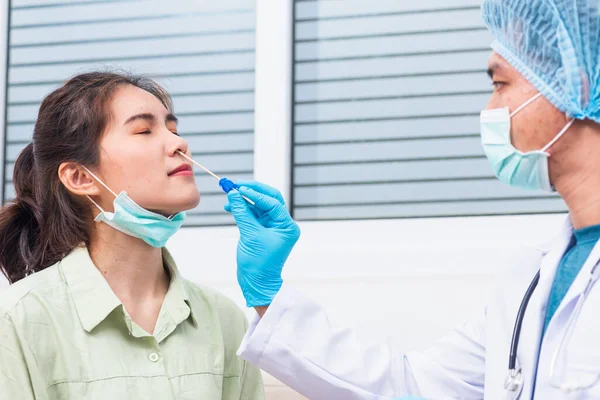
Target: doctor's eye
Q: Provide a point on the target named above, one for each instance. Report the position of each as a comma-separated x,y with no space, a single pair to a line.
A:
497,85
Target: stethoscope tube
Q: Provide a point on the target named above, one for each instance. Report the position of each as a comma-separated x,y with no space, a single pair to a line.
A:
514,380
514,344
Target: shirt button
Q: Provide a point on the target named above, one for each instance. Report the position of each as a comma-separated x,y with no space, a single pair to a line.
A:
153,357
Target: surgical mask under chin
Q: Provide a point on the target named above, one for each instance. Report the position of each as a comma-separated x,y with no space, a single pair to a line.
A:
526,170
132,219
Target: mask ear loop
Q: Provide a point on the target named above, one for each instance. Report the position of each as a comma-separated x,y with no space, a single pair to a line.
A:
522,106
562,132
170,217
102,183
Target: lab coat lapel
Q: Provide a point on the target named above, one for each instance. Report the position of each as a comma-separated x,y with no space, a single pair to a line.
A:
579,284
554,253
533,321
558,324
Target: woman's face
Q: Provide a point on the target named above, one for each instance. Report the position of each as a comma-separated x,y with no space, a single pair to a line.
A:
138,154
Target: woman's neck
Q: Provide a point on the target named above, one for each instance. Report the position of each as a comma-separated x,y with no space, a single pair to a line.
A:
133,269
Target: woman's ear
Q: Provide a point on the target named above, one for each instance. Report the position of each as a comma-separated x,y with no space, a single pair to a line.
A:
77,180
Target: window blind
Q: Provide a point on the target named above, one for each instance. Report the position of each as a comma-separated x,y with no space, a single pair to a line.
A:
387,96
202,52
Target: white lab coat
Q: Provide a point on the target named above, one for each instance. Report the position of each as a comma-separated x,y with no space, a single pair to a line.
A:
295,343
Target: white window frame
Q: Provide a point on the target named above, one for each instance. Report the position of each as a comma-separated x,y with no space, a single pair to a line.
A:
213,249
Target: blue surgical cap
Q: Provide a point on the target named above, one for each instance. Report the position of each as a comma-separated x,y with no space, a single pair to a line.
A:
555,45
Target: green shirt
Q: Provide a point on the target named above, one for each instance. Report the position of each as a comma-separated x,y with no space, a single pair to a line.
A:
64,334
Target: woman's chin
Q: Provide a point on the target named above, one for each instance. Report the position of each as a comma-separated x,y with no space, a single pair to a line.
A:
181,204
188,203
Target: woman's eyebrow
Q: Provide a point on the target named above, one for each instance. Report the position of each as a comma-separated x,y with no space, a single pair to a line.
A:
171,118
151,118
145,116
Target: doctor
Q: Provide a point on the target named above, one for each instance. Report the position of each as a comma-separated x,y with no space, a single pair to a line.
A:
539,334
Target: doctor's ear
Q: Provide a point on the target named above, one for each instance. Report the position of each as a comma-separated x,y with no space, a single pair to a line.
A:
77,180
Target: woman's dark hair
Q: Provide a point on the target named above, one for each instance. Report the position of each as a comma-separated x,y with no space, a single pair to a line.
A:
45,222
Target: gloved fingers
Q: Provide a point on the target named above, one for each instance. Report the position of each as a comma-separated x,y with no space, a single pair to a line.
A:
270,206
262,188
239,208
257,213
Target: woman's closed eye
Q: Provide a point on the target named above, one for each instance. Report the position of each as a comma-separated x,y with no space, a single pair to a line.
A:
149,131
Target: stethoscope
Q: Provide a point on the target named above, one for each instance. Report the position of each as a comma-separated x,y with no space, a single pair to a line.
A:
514,380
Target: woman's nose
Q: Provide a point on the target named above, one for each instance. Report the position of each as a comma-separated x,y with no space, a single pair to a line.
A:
177,144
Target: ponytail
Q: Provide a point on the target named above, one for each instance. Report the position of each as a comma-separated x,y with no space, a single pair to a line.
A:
20,221
42,225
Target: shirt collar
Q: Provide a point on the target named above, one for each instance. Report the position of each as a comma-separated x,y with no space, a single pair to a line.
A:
588,234
95,300
178,296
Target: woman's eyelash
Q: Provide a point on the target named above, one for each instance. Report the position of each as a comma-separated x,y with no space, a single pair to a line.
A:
148,132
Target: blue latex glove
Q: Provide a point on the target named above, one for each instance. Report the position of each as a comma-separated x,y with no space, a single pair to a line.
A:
267,235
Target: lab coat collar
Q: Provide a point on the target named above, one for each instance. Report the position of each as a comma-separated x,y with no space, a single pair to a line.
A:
565,233
579,284
559,244
551,253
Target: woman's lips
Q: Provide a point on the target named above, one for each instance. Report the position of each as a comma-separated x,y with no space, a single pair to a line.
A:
183,173
182,170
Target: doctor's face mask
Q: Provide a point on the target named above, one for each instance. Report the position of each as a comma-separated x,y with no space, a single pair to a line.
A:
526,170
523,164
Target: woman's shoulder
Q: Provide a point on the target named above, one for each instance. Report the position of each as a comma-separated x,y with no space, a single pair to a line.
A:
226,316
228,311
29,291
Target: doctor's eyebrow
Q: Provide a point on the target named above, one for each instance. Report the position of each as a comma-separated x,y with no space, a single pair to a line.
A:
151,118
492,69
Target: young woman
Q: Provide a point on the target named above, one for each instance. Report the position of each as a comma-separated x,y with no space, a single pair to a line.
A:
97,308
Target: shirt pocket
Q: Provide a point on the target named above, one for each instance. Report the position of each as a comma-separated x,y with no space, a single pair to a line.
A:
116,388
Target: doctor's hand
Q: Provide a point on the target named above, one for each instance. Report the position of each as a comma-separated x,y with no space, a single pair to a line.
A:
267,235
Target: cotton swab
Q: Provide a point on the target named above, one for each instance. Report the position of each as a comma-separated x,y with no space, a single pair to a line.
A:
225,183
